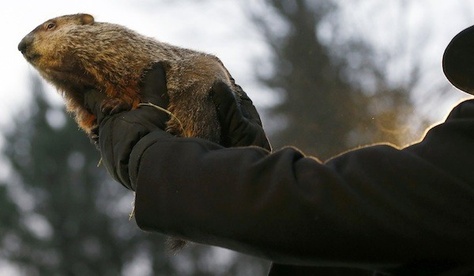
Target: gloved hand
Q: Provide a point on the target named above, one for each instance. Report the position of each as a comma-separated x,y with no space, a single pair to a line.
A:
240,123
118,133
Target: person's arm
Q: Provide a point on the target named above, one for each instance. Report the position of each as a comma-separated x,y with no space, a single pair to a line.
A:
376,206
372,207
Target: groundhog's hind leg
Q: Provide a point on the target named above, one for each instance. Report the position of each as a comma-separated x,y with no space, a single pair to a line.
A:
189,84
195,116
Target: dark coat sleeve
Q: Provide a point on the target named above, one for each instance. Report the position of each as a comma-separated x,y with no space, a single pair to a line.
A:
373,207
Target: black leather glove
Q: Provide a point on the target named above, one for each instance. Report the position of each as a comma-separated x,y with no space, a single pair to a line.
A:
240,123
118,133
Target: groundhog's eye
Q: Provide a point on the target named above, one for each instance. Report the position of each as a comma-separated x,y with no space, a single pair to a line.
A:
50,26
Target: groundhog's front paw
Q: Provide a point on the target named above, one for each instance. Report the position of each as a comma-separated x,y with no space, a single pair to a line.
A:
112,106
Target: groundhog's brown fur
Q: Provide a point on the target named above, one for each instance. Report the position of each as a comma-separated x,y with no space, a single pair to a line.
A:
75,53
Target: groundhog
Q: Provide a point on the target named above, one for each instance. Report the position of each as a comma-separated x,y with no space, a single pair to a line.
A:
75,53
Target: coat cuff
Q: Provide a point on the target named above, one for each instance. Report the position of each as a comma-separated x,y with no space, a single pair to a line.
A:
138,150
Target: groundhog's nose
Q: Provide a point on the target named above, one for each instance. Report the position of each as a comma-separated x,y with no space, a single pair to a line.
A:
23,45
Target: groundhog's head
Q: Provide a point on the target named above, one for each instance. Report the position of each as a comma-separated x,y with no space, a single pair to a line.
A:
75,53
50,49
43,44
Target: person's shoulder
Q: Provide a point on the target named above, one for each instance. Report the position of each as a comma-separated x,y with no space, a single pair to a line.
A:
464,109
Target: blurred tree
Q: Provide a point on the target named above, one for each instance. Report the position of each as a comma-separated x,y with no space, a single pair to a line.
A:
9,213
321,110
65,216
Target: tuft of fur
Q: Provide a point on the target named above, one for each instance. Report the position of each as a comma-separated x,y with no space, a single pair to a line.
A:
75,53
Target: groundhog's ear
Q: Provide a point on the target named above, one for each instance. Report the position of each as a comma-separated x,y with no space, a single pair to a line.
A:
87,19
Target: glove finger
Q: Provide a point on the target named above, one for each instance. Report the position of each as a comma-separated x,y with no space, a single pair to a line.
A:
237,129
250,112
148,117
248,109
225,102
153,86
252,135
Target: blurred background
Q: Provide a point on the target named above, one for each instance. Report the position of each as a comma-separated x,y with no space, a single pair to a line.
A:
327,76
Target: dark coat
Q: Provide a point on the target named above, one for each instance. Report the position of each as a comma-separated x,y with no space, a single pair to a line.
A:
403,211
